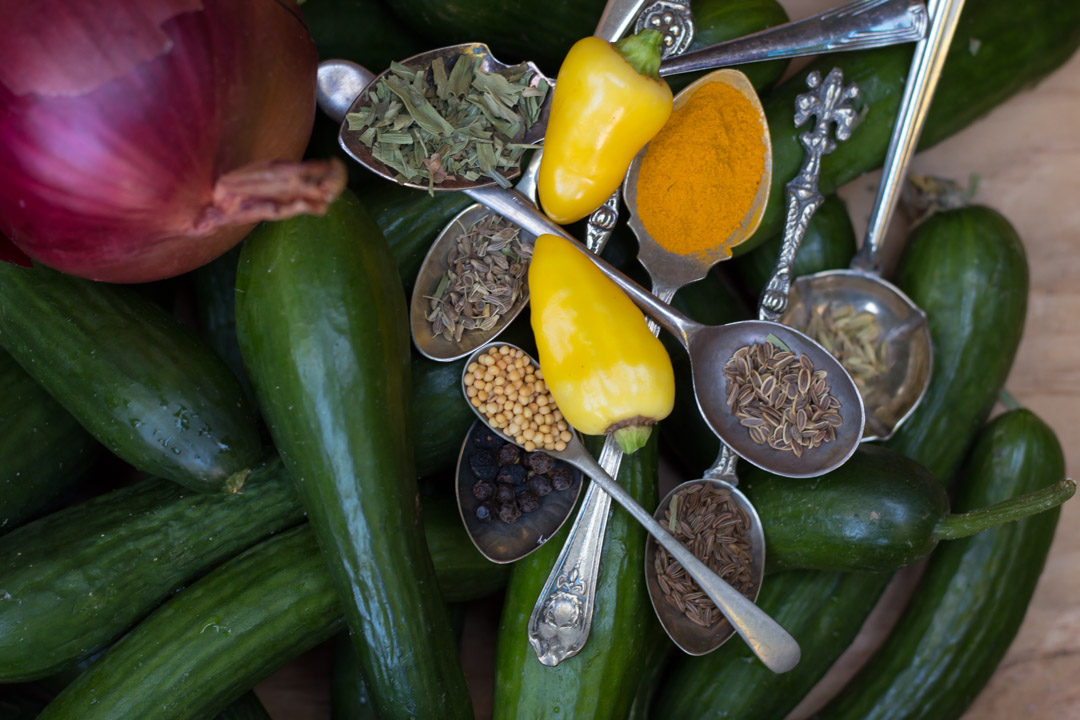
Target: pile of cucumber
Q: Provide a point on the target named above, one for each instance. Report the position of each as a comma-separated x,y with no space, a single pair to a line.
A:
204,478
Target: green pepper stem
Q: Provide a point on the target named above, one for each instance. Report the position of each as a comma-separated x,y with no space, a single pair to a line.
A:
632,438
961,525
642,51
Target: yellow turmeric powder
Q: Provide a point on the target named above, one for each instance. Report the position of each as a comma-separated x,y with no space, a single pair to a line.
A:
701,174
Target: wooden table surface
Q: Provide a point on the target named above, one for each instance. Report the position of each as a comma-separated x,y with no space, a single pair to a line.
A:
1026,154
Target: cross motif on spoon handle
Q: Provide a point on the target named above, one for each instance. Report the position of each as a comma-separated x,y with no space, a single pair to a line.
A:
831,103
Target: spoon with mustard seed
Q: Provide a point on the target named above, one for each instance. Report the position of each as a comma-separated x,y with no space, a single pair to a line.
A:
773,645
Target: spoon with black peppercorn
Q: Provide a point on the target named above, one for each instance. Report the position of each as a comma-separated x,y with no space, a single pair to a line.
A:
773,645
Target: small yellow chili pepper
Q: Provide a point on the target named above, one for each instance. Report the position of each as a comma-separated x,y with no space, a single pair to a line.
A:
603,366
607,104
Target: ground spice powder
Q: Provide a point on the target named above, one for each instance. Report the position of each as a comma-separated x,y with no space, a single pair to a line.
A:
700,174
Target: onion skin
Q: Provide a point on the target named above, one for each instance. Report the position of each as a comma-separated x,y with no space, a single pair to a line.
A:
140,139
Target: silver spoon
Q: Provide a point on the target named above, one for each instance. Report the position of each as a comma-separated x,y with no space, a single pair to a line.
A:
858,25
893,393
577,568
830,102
767,639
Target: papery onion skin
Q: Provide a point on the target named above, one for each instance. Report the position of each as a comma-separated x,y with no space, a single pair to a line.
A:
114,141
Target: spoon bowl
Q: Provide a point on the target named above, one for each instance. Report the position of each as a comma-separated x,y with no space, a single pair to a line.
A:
891,395
503,542
691,637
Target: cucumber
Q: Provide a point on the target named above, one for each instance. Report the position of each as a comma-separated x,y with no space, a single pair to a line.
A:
971,599
43,450
246,707
78,578
323,330
241,622
879,511
601,680
987,63
141,383
730,682
967,269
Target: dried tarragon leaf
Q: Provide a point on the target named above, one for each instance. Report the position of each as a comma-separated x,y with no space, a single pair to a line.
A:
431,124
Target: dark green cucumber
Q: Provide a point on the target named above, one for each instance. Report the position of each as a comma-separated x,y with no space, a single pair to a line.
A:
44,451
968,270
323,328
214,640
78,578
601,680
879,511
973,594
241,622
735,685
145,386
987,63
246,707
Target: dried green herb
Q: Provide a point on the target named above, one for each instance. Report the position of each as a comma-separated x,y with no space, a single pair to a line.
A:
432,123
485,278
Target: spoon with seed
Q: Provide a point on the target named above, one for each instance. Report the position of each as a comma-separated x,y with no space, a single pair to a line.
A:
887,343
857,25
722,521
773,645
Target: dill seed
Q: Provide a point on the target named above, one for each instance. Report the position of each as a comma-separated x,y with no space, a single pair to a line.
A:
852,337
717,530
780,398
485,277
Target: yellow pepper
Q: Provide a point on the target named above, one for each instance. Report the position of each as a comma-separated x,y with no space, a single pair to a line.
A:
603,366
607,104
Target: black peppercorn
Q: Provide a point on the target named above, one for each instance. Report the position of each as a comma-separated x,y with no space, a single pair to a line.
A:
509,454
483,464
509,512
485,439
504,493
540,462
561,477
528,502
482,490
513,474
539,485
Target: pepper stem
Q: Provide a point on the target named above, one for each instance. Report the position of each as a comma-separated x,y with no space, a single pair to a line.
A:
961,525
642,51
632,438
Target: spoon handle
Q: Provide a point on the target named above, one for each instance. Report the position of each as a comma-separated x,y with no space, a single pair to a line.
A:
770,642
830,102
555,634
857,25
914,104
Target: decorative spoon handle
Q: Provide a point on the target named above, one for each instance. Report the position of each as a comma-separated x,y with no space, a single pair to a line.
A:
857,25
562,617
770,642
830,102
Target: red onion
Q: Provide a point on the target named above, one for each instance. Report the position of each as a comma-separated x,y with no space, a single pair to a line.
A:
140,139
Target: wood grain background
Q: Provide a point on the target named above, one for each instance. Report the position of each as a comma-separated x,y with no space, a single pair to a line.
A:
1026,154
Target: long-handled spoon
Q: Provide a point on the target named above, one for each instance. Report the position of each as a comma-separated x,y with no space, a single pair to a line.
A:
893,390
830,103
773,645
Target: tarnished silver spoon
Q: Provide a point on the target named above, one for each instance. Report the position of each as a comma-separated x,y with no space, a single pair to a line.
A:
895,389
773,645
859,24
